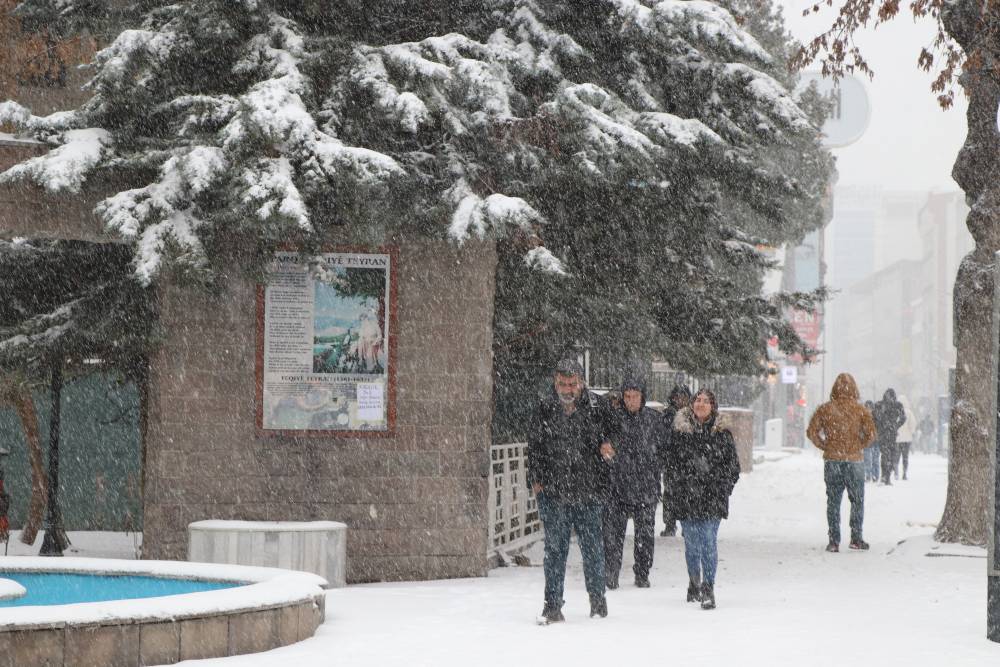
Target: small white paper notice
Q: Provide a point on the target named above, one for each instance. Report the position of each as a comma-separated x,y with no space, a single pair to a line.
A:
370,401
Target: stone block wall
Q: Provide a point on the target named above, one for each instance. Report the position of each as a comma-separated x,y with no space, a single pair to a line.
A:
415,502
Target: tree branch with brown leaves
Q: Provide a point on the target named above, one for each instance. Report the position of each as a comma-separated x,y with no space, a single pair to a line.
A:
838,54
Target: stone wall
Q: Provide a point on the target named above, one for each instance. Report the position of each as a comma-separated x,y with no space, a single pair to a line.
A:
414,502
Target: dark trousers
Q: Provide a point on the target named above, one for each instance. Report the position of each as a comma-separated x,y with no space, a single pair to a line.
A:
616,516
669,521
888,461
559,519
841,475
904,452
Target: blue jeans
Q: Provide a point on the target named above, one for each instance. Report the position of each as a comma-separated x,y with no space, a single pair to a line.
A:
701,548
840,475
558,520
872,458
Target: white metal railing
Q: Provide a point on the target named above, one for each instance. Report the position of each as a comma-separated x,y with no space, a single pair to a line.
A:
514,522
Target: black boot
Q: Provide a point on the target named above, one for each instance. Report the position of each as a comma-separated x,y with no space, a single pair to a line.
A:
551,613
707,596
599,607
611,581
642,581
694,591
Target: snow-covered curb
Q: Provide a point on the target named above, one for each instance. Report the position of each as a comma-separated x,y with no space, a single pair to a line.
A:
11,589
265,588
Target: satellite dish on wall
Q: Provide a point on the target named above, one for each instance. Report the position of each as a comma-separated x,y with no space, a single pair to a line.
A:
851,107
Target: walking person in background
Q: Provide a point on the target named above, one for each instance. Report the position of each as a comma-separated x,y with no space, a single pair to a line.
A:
889,416
842,428
567,469
701,470
680,397
634,491
871,453
925,435
905,439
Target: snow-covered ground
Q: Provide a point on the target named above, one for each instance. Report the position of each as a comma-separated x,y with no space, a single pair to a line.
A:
782,599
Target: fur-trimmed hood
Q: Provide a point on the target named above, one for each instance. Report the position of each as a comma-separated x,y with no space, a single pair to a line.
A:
684,421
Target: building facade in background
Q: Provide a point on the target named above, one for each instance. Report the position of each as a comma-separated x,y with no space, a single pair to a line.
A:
894,326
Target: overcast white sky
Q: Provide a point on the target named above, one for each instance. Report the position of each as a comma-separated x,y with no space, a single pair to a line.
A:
910,143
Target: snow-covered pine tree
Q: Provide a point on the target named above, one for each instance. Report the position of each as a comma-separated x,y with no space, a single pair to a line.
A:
664,255
69,309
648,145
72,301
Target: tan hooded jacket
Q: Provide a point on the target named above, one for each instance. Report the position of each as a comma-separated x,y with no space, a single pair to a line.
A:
842,427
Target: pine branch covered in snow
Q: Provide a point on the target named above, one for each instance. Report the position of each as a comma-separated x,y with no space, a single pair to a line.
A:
627,148
74,302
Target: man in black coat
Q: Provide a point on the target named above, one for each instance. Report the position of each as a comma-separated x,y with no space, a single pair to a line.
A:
567,467
680,397
889,416
635,484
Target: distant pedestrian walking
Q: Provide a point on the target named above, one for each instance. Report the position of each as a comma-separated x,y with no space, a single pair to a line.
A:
568,471
889,416
680,397
842,428
635,484
904,440
871,454
701,470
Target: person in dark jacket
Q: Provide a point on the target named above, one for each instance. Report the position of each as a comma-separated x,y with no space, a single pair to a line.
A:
680,397
634,491
702,469
889,416
567,468
871,453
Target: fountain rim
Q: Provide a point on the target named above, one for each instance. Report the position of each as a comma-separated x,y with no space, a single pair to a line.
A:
260,588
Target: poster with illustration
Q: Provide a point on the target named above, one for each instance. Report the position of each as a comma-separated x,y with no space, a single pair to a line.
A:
324,362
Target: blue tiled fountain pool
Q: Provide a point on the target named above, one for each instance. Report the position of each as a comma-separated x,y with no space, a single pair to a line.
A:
67,588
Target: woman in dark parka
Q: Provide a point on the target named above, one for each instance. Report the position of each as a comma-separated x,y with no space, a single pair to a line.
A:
701,470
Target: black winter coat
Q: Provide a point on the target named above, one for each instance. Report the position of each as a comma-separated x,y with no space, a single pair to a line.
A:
669,414
701,469
639,451
889,416
564,451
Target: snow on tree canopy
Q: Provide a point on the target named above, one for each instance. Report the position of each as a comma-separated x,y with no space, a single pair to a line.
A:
651,134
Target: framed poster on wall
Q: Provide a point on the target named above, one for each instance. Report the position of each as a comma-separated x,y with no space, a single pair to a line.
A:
326,344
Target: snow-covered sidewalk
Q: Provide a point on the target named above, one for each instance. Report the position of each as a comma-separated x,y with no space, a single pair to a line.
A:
782,599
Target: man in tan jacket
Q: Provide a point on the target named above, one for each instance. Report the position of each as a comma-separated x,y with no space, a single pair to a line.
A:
842,428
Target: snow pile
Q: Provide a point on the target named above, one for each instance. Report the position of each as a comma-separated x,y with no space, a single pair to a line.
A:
11,589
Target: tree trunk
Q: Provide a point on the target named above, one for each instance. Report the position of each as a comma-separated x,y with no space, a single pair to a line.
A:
25,408
56,540
966,511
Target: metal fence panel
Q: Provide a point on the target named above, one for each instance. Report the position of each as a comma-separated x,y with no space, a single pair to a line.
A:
515,523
